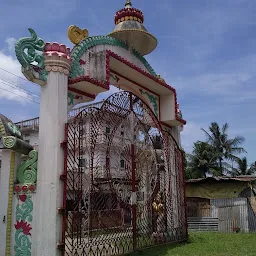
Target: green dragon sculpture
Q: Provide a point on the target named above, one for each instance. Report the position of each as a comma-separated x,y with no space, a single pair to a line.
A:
27,171
26,50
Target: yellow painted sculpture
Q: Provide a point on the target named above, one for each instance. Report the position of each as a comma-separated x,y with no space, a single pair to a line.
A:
158,204
76,35
160,78
128,2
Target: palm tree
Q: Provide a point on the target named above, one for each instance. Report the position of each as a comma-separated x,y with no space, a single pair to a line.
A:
189,173
225,147
202,161
253,167
242,168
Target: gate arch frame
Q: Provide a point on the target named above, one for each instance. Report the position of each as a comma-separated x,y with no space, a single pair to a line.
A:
71,77
165,136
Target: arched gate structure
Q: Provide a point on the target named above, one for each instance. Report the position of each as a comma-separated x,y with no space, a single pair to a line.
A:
122,183
124,186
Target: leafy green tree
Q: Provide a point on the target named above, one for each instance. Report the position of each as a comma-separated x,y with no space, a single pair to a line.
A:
242,168
225,147
202,161
187,171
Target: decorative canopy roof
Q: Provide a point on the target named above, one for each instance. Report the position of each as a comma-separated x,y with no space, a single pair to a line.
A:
8,128
130,29
11,137
129,13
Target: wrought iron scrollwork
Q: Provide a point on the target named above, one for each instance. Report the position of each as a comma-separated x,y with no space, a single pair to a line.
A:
127,191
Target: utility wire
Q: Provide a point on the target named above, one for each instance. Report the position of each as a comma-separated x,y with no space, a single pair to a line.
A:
19,95
18,88
16,85
17,75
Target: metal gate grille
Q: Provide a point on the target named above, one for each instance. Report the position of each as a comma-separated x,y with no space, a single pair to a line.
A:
124,186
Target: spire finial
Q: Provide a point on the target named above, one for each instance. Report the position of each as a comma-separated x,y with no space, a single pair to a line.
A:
128,3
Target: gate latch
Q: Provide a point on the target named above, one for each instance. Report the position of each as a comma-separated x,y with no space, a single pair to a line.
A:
63,177
64,143
61,246
62,211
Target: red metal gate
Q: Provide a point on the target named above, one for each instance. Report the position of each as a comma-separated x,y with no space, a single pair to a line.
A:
124,186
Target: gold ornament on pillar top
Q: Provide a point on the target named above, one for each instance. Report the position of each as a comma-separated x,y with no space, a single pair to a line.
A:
128,2
160,78
76,35
158,204
129,28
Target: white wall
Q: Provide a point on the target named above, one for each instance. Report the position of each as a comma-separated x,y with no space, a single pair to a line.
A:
32,137
118,50
167,107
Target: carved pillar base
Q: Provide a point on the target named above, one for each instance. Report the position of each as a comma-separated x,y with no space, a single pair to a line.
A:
10,160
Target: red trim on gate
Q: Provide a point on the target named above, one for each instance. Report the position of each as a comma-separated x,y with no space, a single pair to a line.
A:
92,96
180,119
175,97
101,84
143,72
159,103
133,205
64,202
131,81
105,84
165,124
184,185
133,185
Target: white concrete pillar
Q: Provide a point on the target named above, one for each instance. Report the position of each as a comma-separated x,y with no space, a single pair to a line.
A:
175,131
10,159
53,116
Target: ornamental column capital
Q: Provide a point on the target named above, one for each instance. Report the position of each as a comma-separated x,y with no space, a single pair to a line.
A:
56,58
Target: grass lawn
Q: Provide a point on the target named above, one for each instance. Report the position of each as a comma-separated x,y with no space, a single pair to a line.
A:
208,244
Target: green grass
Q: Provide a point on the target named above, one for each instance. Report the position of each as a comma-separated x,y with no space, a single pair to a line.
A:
208,244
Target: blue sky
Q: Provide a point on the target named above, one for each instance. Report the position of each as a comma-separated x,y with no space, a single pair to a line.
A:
206,50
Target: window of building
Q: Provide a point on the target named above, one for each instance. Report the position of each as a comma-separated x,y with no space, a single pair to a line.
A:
107,129
122,163
140,196
82,162
82,131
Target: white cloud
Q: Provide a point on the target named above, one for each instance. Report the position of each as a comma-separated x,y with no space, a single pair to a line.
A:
10,64
9,82
11,43
192,132
232,81
215,83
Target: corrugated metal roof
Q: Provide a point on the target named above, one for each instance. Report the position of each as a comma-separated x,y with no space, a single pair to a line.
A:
244,178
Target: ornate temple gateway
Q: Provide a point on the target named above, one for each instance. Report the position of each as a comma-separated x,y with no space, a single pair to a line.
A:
109,180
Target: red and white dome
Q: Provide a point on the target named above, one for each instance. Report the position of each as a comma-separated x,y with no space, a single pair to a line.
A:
130,29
